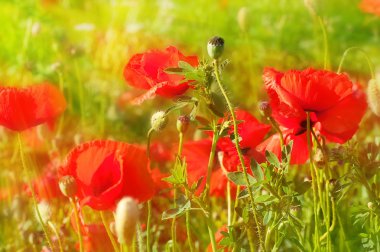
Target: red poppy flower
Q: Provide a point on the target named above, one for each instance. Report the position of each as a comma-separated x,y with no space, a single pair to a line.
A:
147,71
335,104
105,171
300,152
23,108
371,6
251,133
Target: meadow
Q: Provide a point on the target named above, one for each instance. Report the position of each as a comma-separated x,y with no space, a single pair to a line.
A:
189,125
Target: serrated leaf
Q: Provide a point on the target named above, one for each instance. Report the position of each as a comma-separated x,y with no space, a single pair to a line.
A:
238,178
272,159
257,171
176,212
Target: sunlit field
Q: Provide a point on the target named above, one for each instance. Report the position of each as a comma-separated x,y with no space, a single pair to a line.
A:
172,125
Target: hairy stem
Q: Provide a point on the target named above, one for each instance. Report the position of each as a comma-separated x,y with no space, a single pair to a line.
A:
240,155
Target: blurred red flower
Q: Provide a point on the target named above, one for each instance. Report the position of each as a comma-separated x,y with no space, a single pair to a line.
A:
335,104
95,239
105,171
370,6
196,153
23,108
300,152
147,71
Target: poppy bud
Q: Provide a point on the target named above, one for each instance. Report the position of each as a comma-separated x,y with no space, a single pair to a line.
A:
215,47
44,210
370,205
159,120
183,122
126,217
373,94
242,18
68,186
265,108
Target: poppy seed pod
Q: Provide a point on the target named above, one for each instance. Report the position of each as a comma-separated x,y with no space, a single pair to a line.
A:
68,186
265,108
215,47
159,120
126,217
373,96
183,122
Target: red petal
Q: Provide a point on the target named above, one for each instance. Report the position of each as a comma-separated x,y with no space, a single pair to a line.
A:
22,108
341,122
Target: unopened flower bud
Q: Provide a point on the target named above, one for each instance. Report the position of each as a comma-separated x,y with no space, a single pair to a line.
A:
68,186
126,217
242,18
370,205
332,184
44,211
183,122
265,108
215,47
159,120
373,96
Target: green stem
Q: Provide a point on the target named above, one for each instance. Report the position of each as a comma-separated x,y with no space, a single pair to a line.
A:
314,185
52,227
325,44
28,177
240,155
74,206
369,62
105,224
277,128
215,138
148,226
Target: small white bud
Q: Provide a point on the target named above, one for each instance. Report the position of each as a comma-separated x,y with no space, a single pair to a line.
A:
126,217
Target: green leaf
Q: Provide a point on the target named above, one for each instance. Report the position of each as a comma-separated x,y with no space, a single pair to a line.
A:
297,243
257,171
303,187
185,65
267,217
174,70
286,151
264,198
272,159
238,178
176,212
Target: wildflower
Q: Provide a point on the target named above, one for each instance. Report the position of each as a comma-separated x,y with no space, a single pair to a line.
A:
23,108
197,153
335,104
370,6
106,171
147,71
